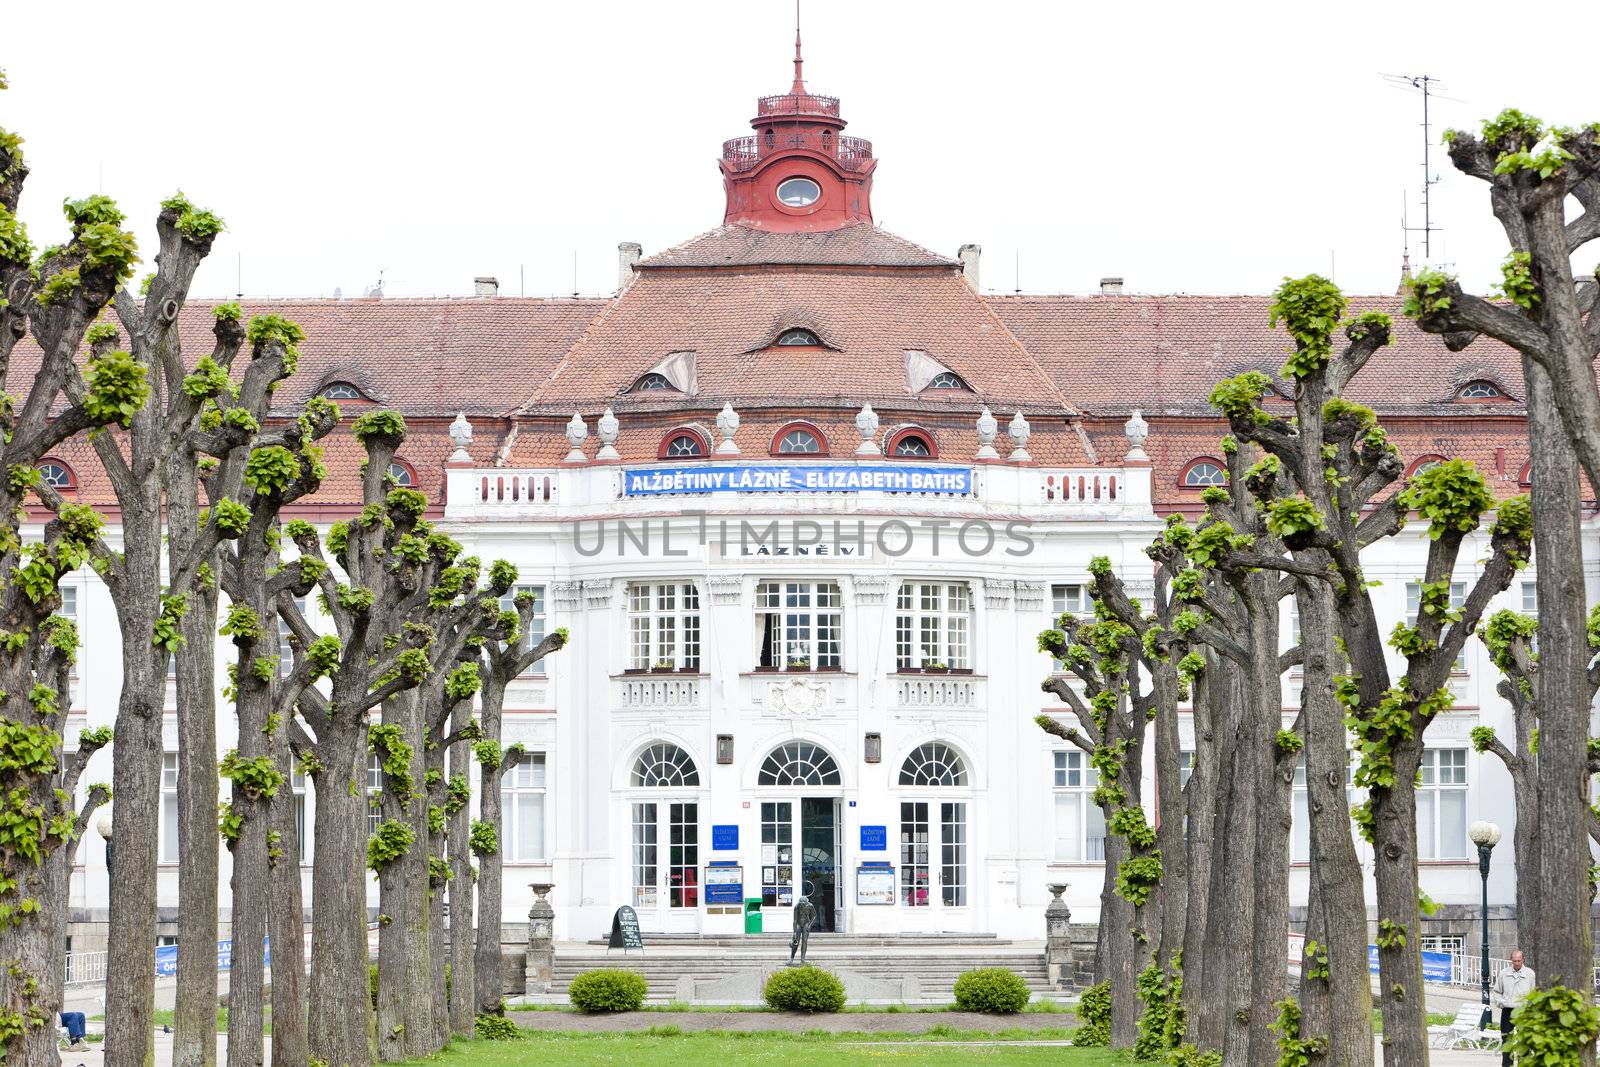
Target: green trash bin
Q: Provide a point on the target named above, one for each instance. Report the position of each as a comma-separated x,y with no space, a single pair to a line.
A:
752,915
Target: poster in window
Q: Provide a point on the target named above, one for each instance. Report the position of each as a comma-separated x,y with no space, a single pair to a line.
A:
769,854
875,885
785,853
769,875
644,896
785,896
785,874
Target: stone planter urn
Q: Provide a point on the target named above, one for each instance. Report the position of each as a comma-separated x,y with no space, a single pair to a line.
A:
539,970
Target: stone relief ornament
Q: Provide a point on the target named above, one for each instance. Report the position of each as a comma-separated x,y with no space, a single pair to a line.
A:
799,697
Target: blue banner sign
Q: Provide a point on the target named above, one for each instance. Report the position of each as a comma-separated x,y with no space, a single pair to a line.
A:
725,838
167,957
1436,966
874,838
798,478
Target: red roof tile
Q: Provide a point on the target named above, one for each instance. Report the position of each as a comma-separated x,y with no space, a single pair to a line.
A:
860,245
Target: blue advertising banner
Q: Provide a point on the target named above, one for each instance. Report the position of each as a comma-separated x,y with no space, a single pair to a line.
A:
725,838
167,957
798,478
1436,966
724,883
874,838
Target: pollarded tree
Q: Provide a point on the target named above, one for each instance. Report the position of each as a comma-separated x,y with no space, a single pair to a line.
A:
508,652
1510,639
1549,316
393,566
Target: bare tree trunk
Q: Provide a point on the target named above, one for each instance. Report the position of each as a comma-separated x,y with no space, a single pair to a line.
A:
405,1022
1525,846
1230,952
1201,796
1274,782
1399,950
246,993
488,983
463,964
1118,963
1173,896
339,1015
1564,946
286,925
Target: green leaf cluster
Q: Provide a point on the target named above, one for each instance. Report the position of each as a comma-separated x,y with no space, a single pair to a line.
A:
1309,309
391,841
1451,495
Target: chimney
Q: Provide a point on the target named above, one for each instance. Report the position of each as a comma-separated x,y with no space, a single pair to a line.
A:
1110,286
628,253
486,286
968,254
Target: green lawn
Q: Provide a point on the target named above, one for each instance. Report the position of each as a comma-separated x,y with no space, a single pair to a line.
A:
678,1049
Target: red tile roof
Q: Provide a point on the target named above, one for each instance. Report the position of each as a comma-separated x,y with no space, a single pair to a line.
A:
860,245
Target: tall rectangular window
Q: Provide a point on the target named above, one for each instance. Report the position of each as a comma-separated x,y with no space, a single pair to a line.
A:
914,873
374,791
169,808
777,853
645,855
522,791
285,649
1442,805
1067,600
1530,599
534,632
683,856
663,626
1185,767
69,610
1458,597
933,625
953,853
1300,832
1080,824
801,625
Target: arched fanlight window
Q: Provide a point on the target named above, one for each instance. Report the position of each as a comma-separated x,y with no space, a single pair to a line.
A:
342,391
664,765
798,763
55,475
912,444
800,441
651,382
1204,472
798,337
947,379
933,764
1425,463
401,474
683,444
1480,390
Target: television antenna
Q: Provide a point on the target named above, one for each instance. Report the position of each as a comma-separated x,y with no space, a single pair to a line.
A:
1426,85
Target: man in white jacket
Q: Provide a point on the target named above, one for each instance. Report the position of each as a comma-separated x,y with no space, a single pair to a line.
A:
1511,987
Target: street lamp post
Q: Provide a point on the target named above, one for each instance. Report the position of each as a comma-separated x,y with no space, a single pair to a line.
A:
103,825
1485,835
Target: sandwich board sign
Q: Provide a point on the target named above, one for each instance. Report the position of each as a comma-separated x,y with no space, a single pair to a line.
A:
625,930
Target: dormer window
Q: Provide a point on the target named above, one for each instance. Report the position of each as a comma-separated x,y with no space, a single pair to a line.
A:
911,443
1480,390
799,439
56,475
652,382
342,391
402,475
947,379
1203,473
683,444
798,192
798,337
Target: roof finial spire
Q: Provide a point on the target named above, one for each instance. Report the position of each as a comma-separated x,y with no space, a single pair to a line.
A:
799,85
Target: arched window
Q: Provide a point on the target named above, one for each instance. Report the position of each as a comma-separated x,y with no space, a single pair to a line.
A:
55,474
912,443
682,444
798,763
1480,390
1203,472
799,439
1526,477
1424,463
650,383
402,475
342,391
947,379
798,337
664,765
933,764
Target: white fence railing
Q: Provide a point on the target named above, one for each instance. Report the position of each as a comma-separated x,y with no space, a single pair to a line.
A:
84,968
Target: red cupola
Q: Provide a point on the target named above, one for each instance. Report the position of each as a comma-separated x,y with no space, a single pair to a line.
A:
798,173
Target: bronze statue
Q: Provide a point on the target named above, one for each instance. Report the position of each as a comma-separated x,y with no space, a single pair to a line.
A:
805,917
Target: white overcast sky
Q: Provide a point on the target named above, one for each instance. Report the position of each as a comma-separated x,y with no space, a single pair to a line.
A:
1189,147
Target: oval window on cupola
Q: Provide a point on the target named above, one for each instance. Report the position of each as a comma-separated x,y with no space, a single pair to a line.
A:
798,192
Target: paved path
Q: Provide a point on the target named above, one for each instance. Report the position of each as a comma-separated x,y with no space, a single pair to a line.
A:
869,1022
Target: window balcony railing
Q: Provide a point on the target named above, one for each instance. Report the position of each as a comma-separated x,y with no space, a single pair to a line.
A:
742,154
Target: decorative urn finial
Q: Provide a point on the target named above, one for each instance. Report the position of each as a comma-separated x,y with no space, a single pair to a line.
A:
987,428
867,423
1019,431
577,434
727,426
461,437
1136,430
608,427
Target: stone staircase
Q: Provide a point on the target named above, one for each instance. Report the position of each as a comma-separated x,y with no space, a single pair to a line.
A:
907,969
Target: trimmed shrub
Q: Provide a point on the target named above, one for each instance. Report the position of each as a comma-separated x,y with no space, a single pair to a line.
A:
1094,1012
804,989
608,989
991,989
497,1028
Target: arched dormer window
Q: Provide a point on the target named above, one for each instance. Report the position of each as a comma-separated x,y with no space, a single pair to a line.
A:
934,763
57,475
798,763
1526,477
652,382
1422,463
1480,389
798,336
1202,473
683,443
912,443
799,439
948,379
402,475
665,766
342,391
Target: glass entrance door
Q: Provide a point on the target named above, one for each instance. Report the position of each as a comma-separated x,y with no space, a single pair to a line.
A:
819,857
801,846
